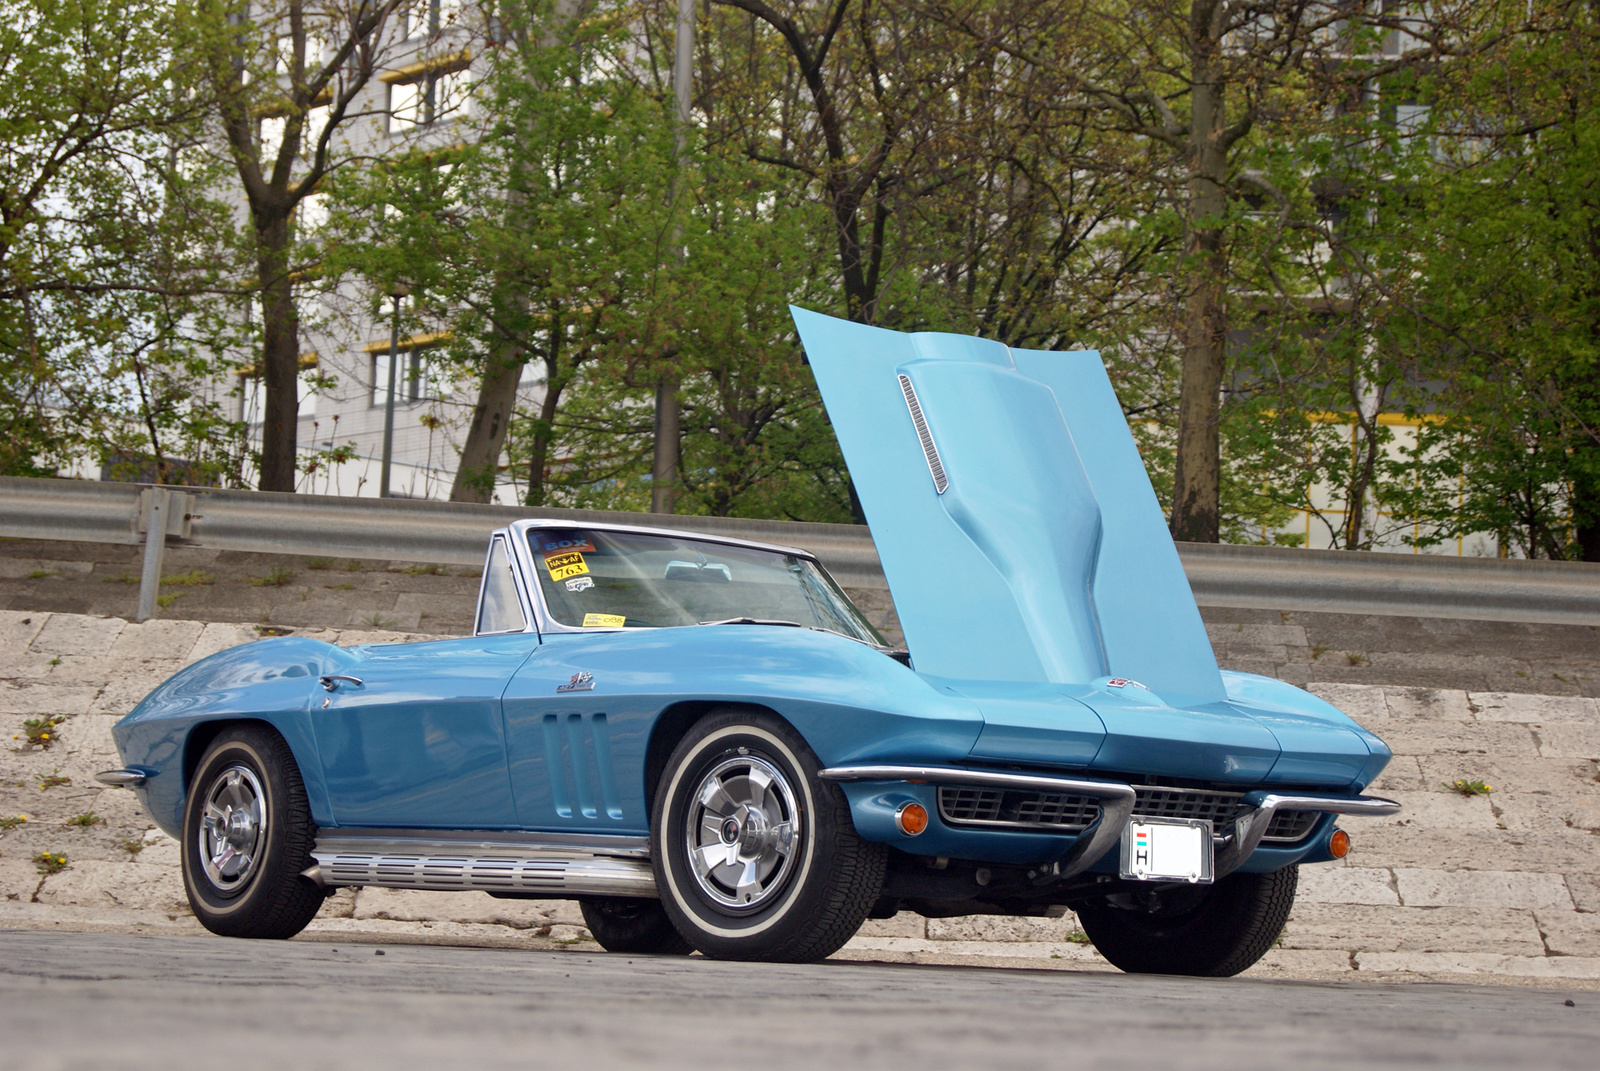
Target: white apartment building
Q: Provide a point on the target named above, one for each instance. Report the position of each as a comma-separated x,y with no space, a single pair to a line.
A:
430,58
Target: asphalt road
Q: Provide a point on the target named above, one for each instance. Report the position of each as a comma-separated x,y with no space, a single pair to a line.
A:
94,1001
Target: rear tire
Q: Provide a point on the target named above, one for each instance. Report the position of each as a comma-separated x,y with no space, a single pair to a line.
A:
247,836
1213,931
620,924
756,857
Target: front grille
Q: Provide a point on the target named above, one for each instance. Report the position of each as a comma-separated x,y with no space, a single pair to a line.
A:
1218,808
1290,826
996,807
1063,813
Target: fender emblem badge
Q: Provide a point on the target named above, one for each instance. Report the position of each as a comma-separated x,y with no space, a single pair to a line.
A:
580,682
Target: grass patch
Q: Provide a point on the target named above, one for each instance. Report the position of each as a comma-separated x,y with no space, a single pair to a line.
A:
85,820
39,732
1078,937
121,578
56,779
319,563
168,599
354,565
192,579
132,845
40,574
1356,658
1470,788
423,570
474,573
50,863
340,587
377,621
13,821
1318,650
277,578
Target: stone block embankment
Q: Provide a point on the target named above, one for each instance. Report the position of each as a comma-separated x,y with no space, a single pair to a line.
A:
1504,884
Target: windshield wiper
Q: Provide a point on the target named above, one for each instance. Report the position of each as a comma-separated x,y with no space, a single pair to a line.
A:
752,621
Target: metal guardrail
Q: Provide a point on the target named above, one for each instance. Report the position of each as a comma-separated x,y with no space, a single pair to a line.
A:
455,533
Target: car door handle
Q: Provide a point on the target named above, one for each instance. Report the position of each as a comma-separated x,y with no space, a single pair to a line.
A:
331,681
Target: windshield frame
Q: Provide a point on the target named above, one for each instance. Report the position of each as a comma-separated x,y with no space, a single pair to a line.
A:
527,572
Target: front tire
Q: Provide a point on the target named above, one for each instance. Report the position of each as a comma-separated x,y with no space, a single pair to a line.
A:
755,856
627,925
1213,931
247,836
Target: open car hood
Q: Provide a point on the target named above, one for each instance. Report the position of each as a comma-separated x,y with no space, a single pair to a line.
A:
1017,527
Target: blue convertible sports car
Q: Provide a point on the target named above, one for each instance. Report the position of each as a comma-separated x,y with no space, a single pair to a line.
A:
710,748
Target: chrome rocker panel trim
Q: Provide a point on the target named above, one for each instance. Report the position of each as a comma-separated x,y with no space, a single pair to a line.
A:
547,865
121,777
1098,838
1117,807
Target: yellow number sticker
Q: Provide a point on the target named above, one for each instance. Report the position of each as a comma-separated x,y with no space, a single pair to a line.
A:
562,566
603,620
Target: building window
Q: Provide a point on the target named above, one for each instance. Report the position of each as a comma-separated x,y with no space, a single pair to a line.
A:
422,94
252,402
423,18
416,377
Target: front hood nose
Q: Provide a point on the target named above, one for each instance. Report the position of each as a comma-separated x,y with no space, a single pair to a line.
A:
1204,742
1224,741
1036,722
1121,730
1313,751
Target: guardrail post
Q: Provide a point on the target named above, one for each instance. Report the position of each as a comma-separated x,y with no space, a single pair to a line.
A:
155,545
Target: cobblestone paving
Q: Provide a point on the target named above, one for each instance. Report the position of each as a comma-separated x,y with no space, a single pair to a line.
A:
1503,885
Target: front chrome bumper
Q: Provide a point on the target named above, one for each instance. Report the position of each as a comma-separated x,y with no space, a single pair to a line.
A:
1117,802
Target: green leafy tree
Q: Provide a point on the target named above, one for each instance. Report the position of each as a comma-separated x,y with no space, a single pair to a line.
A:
1497,293
103,261
285,82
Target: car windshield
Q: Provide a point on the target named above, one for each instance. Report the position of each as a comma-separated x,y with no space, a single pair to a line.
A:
594,578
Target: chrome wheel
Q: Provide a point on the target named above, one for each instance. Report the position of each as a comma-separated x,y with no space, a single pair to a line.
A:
742,831
233,829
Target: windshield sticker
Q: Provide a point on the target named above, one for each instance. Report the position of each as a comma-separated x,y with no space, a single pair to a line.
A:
603,620
556,546
582,583
565,564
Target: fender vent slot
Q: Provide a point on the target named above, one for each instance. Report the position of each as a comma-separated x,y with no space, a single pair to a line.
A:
929,450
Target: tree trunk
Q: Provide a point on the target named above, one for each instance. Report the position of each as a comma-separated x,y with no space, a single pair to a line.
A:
486,436
543,436
1197,482
1585,501
280,357
497,393
664,467
1356,500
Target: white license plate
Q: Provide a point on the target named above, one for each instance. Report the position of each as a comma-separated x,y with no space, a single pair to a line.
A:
1169,849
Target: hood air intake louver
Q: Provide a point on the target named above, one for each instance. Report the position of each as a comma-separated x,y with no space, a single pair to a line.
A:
929,450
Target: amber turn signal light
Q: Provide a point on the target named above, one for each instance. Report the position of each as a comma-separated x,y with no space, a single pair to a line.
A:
912,818
1339,844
